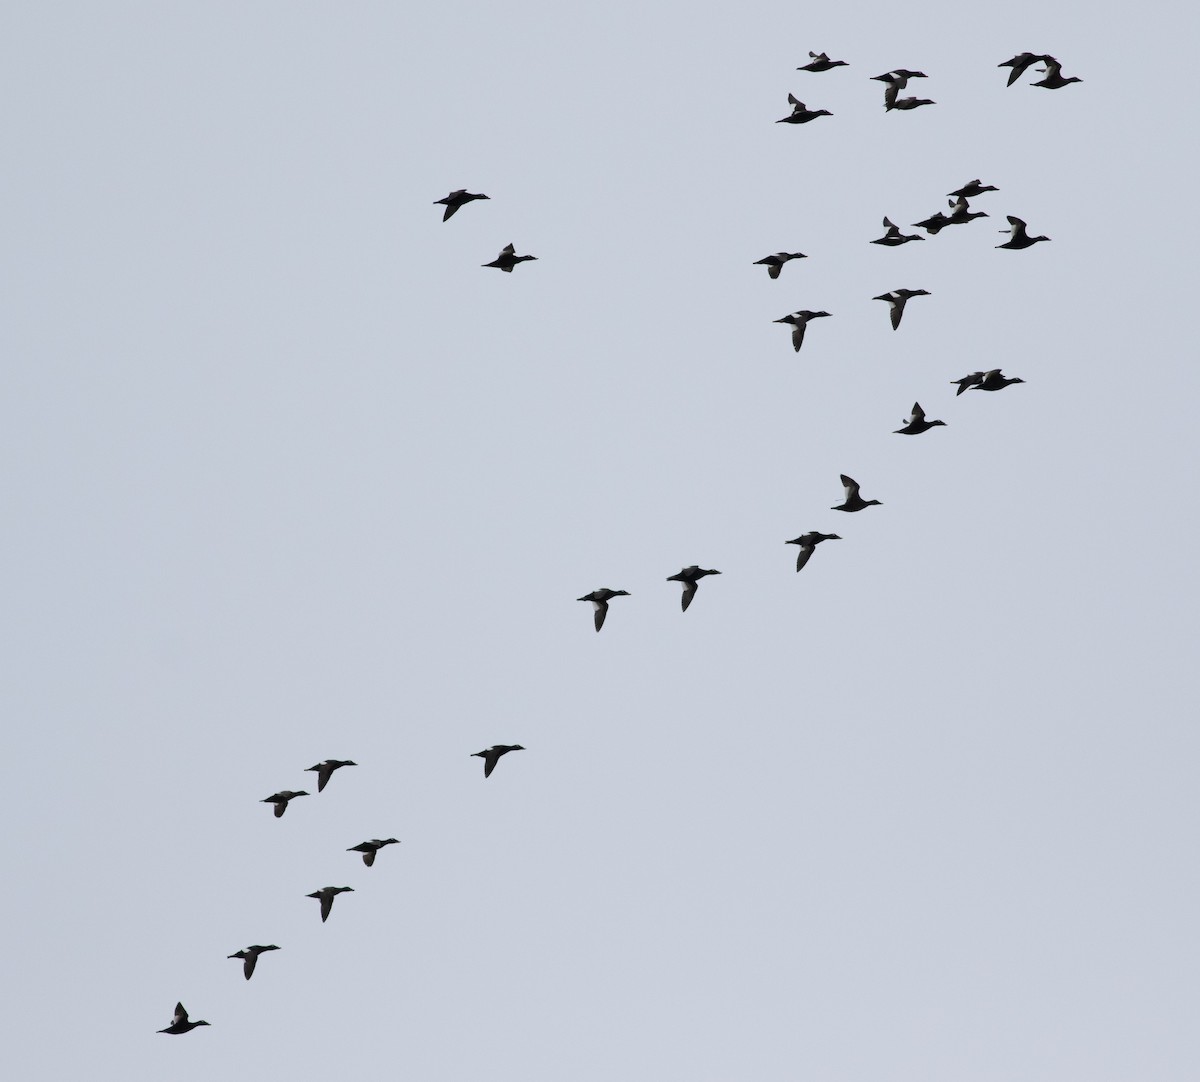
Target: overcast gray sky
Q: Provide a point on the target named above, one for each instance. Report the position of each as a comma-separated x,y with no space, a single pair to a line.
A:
289,476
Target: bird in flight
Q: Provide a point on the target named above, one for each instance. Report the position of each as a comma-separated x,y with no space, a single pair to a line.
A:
181,1024
324,771
455,200
600,599
508,258
249,957
491,756
690,577
808,543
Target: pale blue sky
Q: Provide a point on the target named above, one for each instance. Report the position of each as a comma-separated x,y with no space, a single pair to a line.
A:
289,476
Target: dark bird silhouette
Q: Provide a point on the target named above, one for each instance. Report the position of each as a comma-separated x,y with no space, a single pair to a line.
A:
808,543
934,224
249,957
994,381
906,104
600,599
798,321
893,236
1053,76
898,298
326,896
1018,237
916,424
1019,64
180,1024
801,113
455,200
853,501
774,263
973,188
280,800
971,380
507,259
325,770
491,756
690,577
369,849
961,213
895,81
821,62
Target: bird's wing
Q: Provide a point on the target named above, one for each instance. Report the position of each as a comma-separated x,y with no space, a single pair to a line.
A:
774,269
491,759
601,612
918,414
896,311
689,591
249,964
369,856
1053,67
798,335
326,906
851,487
803,555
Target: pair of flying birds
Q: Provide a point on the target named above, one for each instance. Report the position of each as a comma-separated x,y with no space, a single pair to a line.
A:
508,258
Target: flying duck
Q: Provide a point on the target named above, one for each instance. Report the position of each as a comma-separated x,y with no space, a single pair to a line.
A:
893,236
774,263
507,259
906,104
249,956
690,577
600,599
325,770
934,224
821,62
798,321
898,77
853,501
280,800
973,188
916,424
971,380
326,896
1053,77
1018,238
491,756
898,298
455,200
180,1024
801,114
961,214
896,81
994,381
369,849
1019,64
808,542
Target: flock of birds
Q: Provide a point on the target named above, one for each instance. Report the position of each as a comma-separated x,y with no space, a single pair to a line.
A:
248,956
689,577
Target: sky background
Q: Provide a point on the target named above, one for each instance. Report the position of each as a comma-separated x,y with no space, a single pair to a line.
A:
288,476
